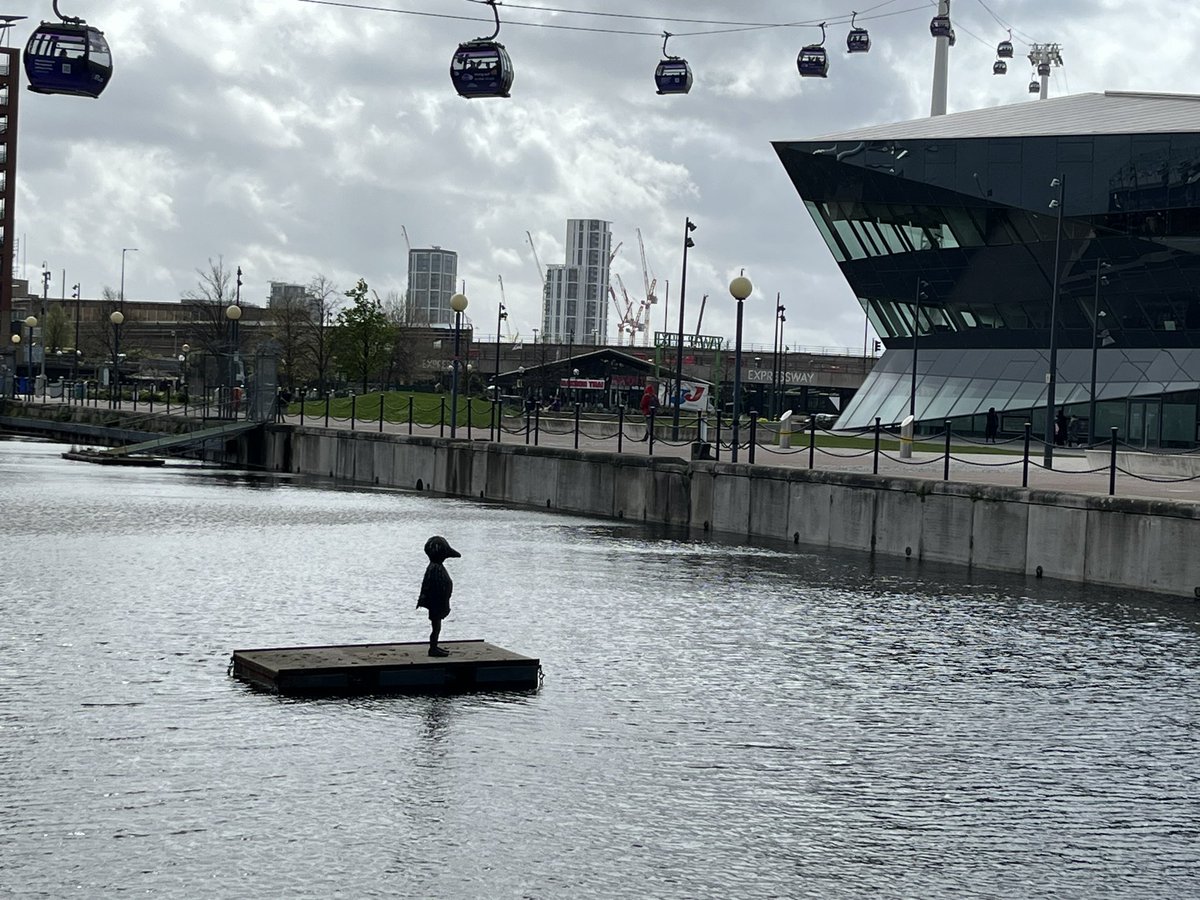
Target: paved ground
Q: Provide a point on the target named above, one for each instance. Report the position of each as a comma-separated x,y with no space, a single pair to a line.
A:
1071,472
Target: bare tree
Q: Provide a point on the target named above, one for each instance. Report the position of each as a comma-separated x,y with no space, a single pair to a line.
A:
404,338
318,340
210,330
292,316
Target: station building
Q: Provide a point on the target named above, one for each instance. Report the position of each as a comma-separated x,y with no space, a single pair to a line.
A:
948,228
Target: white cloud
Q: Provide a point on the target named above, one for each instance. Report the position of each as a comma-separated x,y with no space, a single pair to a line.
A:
295,139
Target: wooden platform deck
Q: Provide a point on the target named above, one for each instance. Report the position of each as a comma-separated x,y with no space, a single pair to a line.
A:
386,668
103,459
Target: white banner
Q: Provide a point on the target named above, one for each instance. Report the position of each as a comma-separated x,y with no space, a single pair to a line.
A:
694,395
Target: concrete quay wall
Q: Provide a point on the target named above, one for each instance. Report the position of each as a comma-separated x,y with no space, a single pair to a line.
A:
1120,542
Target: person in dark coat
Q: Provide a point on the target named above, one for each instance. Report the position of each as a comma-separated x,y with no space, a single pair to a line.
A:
992,428
1060,427
436,589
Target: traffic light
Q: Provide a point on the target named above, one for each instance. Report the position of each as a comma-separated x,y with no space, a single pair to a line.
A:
75,292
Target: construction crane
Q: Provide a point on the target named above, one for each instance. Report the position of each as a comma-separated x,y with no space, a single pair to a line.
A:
615,251
649,282
538,262
700,318
407,242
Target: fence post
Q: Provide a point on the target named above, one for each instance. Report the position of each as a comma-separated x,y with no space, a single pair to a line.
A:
353,410
470,415
152,402
410,413
946,464
381,412
496,422
812,439
327,409
875,455
528,424
650,432
537,425
718,442
576,426
620,427
303,403
1025,464
1112,464
442,419
753,435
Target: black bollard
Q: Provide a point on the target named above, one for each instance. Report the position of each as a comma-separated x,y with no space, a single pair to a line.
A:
470,416
946,464
327,409
576,426
812,439
1025,464
353,410
753,434
410,415
537,425
1112,463
442,419
381,412
620,428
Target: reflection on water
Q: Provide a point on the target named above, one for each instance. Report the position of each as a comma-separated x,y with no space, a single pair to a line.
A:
717,720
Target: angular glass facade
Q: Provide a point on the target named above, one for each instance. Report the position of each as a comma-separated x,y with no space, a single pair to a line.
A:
968,222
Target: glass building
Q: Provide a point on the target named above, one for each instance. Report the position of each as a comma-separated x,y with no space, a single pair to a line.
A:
432,276
948,228
574,303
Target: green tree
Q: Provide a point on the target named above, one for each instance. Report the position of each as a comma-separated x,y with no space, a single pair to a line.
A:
364,336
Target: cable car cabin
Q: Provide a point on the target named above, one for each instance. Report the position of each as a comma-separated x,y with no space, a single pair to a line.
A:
999,67
673,76
1043,69
939,26
858,41
813,62
1004,50
67,58
1034,87
481,69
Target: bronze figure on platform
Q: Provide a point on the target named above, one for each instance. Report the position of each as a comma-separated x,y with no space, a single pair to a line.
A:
436,589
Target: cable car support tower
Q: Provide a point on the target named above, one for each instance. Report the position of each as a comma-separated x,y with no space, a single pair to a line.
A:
1042,57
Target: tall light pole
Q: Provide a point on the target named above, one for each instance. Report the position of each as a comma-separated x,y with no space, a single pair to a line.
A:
1057,203
30,323
124,250
16,345
45,297
776,365
688,227
922,287
1096,314
75,361
501,315
740,288
114,387
458,303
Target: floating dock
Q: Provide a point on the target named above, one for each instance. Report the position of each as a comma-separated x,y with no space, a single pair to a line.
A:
102,458
386,669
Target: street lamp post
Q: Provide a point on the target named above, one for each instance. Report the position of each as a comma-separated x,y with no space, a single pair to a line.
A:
740,288
30,324
114,388
1096,314
45,297
458,303
912,391
16,344
1048,456
688,227
777,382
501,315
75,361
233,312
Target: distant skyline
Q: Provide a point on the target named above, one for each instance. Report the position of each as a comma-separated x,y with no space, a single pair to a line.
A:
295,139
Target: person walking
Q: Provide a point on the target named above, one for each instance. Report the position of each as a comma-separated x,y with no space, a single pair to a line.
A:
992,428
649,407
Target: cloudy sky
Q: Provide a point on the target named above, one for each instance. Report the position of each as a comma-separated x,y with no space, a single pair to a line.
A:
296,138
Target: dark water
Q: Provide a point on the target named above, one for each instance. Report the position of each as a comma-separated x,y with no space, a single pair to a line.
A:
716,721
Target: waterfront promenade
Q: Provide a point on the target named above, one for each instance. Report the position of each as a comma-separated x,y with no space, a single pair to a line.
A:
971,462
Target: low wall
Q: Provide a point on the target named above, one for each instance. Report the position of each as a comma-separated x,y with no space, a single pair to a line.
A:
1120,542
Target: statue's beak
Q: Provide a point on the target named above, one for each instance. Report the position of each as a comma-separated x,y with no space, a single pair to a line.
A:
451,553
